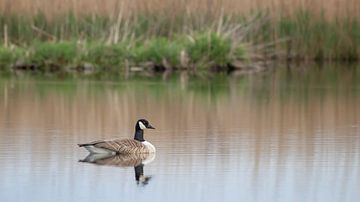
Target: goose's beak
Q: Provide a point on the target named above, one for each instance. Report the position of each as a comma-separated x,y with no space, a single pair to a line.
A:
150,127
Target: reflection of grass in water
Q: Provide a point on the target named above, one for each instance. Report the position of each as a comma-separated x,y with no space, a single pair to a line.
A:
155,87
302,83
45,87
298,84
212,89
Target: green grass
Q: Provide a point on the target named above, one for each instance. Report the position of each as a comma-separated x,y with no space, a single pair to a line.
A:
158,50
209,47
61,53
9,56
202,50
106,56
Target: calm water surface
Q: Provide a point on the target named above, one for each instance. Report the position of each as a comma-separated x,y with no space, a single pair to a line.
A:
282,135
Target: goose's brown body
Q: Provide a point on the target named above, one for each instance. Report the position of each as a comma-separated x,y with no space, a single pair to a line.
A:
120,146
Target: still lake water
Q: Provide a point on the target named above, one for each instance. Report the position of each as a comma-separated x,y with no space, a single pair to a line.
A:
281,135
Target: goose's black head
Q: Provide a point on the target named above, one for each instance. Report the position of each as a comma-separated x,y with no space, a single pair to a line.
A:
143,124
140,126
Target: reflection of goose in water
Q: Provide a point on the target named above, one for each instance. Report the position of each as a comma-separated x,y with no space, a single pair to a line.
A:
124,160
139,175
120,160
124,146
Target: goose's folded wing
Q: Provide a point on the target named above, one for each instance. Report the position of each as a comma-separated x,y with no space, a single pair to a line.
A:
122,146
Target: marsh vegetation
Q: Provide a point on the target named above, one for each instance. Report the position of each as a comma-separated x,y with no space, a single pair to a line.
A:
222,35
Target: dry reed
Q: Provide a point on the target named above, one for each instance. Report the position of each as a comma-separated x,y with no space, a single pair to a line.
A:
111,8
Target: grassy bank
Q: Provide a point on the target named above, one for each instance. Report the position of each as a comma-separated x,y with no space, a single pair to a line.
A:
184,40
200,51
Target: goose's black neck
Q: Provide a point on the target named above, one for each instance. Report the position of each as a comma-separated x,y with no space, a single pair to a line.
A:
139,134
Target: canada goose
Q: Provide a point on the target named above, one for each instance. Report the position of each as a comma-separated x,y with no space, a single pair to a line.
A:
124,146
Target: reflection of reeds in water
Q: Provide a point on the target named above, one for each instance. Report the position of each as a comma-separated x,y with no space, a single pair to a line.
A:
259,109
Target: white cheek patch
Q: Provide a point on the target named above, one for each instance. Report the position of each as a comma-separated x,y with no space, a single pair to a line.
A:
142,126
